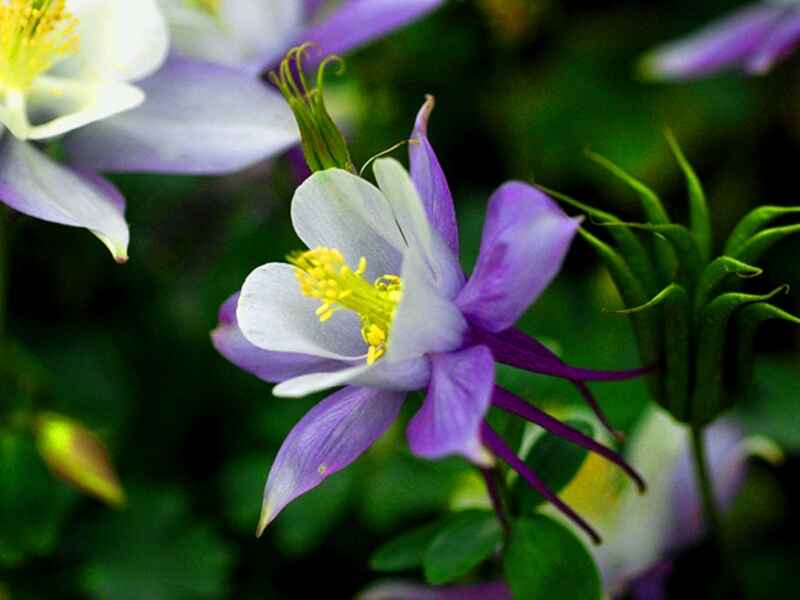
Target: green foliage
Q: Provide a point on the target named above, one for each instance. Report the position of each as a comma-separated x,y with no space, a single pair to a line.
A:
546,560
466,541
556,461
406,551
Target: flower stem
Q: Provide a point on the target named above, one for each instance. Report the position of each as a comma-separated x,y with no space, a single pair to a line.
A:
5,234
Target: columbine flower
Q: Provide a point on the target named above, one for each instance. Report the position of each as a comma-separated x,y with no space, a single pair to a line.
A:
64,64
379,304
207,110
643,533
753,39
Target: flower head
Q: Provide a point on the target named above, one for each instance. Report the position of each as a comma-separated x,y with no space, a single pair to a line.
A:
379,304
752,39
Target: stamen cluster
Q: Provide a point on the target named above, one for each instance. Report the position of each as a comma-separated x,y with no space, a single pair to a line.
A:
323,274
34,34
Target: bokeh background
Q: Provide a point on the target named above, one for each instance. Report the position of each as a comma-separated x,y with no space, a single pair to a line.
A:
523,87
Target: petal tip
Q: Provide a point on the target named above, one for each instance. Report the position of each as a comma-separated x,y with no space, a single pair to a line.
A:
264,519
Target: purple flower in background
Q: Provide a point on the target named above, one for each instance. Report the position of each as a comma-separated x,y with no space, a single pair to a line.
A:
752,39
207,110
391,590
379,304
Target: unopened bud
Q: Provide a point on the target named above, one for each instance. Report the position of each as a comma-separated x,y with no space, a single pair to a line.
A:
77,456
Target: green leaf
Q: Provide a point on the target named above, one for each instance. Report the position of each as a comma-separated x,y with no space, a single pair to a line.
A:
698,207
469,539
556,461
406,551
753,222
748,320
756,246
546,560
715,275
33,505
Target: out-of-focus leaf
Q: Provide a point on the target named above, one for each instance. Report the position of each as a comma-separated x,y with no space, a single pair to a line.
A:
556,461
33,505
405,551
465,542
156,549
545,560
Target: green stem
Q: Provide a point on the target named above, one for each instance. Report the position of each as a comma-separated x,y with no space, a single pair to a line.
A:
4,243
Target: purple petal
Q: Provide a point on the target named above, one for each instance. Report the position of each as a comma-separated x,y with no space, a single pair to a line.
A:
431,181
652,585
198,118
498,447
725,44
525,240
313,7
273,367
507,401
398,590
326,440
357,22
727,461
34,184
513,347
458,397
780,43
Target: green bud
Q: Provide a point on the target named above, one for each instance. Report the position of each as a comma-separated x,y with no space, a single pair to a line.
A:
324,145
77,456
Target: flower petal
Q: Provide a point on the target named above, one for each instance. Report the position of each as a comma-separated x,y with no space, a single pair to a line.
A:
274,315
336,209
525,240
198,118
459,396
33,184
330,437
119,40
404,376
398,590
357,22
781,41
724,44
269,366
55,106
244,34
396,184
425,322
431,181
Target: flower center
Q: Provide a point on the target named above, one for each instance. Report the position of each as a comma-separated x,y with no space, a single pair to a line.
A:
324,274
34,35
207,6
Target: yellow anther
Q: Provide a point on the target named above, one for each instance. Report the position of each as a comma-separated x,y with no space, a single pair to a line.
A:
210,7
324,274
34,36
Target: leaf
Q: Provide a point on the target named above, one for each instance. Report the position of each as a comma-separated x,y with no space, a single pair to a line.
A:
698,207
406,551
753,222
556,461
545,560
715,274
465,542
756,246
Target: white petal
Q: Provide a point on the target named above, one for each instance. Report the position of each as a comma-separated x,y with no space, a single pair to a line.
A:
399,189
403,376
56,105
425,321
274,315
119,39
245,34
336,209
32,183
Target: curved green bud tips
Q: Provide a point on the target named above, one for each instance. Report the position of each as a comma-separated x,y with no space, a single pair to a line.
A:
683,302
77,456
324,145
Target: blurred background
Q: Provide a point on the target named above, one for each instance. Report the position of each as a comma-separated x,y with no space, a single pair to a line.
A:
523,87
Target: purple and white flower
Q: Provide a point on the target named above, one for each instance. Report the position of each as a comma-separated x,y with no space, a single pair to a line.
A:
378,303
64,65
752,39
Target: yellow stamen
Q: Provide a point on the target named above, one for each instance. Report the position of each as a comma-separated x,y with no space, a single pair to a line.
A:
34,35
324,274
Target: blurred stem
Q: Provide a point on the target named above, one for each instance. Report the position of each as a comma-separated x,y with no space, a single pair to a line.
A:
493,483
708,499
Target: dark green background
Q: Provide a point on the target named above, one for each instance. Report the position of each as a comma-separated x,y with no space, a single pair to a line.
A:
125,349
